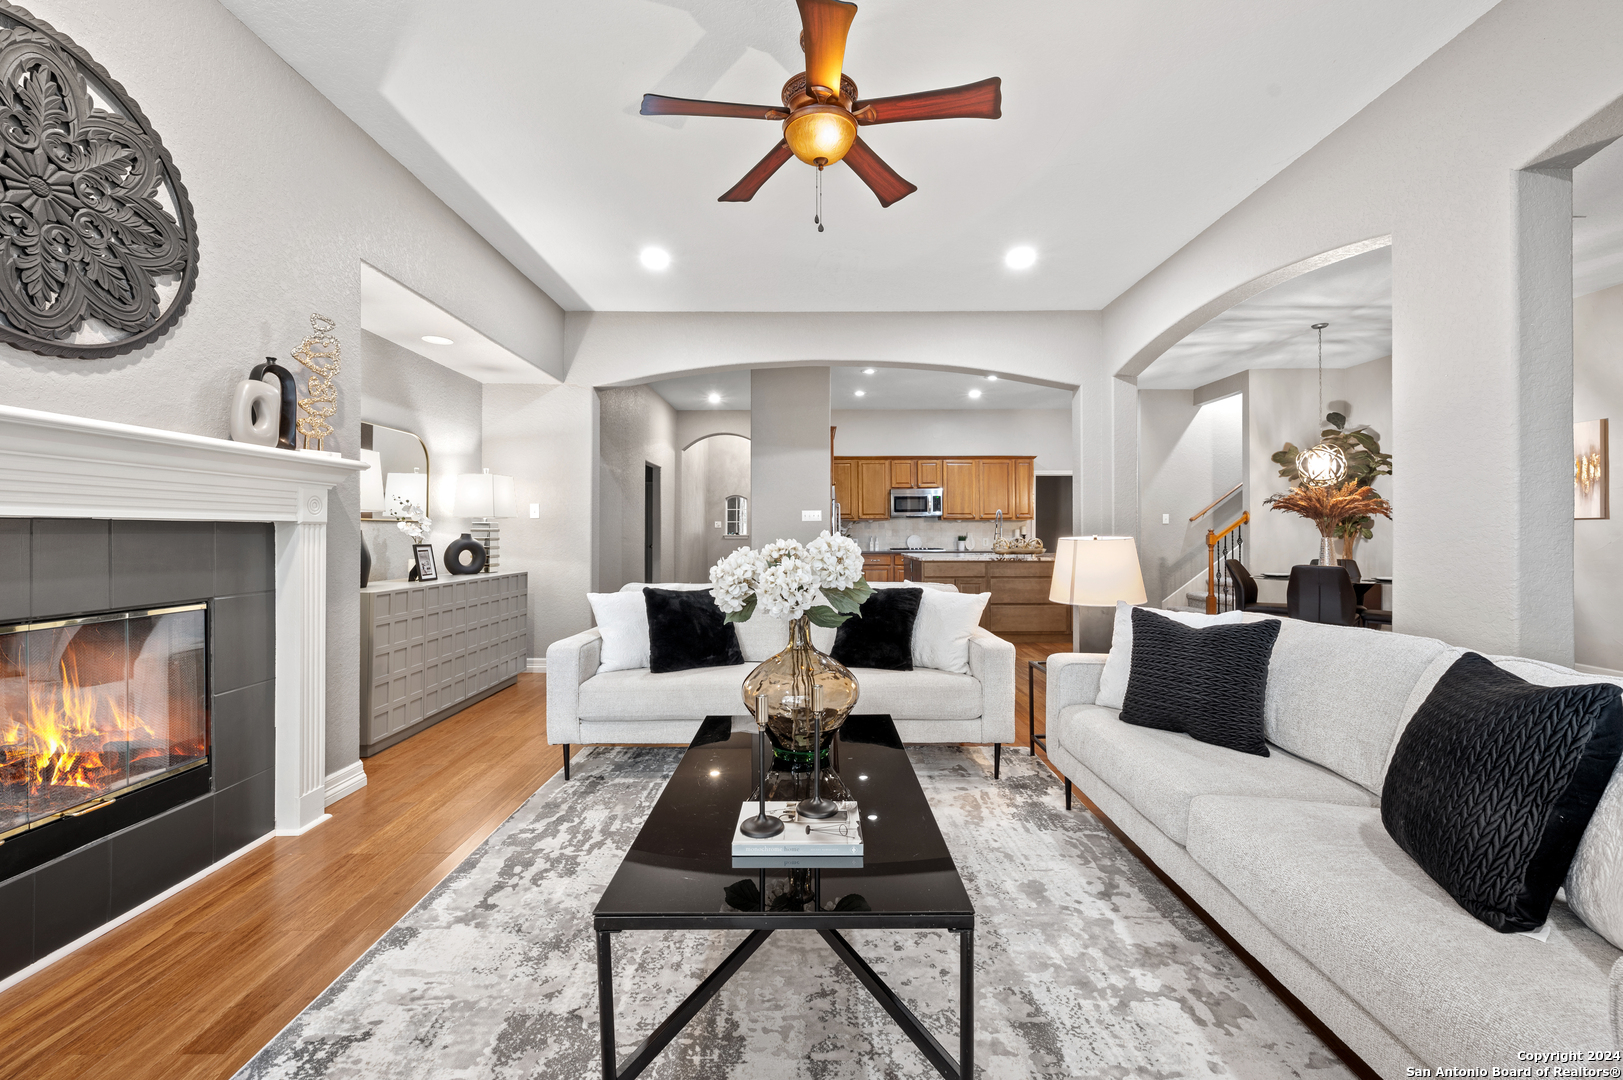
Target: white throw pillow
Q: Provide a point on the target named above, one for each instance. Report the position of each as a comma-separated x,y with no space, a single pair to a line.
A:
943,627
1119,665
1595,878
622,619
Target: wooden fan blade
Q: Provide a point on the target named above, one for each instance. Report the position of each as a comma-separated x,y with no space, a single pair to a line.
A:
825,24
976,101
745,189
876,174
659,105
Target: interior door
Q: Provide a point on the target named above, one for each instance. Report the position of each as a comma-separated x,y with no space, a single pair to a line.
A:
873,488
901,473
958,495
995,479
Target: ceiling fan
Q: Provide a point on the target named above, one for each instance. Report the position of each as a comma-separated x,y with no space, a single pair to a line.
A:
821,110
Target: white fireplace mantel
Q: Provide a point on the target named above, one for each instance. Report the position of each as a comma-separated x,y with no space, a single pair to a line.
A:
53,465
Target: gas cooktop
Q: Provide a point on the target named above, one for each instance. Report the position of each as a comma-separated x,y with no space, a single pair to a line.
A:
918,549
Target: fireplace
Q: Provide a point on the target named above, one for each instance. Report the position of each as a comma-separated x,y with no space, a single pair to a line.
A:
94,712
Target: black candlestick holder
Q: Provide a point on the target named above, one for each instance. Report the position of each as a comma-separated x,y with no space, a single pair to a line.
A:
817,808
761,825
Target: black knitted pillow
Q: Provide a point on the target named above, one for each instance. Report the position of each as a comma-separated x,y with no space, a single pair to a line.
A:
883,636
1206,681
687,630
1493,783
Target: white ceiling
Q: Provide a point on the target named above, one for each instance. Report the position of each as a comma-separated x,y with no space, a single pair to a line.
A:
1597,223
1127,129
394,312
886,388
1274,328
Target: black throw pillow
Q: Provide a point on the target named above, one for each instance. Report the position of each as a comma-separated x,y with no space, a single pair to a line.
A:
1208,681
883,636
1493,782
687,630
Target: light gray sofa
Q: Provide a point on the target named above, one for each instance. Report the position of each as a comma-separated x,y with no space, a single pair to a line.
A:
585,705
1289,855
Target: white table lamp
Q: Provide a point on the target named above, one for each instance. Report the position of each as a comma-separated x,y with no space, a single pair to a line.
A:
410,487
485,496
1096,571
372,500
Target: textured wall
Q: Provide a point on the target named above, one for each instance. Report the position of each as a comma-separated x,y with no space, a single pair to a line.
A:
1597,331
400,389
1043,433
789,453
290,196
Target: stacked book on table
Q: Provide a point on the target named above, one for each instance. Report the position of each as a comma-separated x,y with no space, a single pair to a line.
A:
834,842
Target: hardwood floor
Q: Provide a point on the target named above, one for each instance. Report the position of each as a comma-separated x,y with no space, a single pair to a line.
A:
191,989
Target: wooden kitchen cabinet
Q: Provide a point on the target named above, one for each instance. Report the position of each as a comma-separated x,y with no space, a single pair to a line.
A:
881,566
927,473
843,475
960,495
873,488
901,473
994,483
1024,493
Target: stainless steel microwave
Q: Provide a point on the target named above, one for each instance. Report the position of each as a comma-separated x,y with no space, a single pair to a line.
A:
915,502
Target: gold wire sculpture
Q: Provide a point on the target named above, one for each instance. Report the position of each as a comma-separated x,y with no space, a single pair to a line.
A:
323,400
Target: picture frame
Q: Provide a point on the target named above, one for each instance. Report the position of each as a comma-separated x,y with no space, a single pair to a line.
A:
424,555
1591,471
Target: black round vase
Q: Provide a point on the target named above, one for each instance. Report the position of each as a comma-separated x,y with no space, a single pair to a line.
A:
453,555
366,563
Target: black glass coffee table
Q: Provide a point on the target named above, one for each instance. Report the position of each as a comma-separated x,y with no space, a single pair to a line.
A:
680,875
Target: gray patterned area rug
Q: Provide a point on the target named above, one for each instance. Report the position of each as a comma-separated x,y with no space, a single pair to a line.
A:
1086,966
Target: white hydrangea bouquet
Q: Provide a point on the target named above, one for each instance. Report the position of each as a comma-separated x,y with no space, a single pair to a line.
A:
787,579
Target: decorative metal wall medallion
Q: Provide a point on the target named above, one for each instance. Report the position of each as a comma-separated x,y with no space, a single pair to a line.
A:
98,244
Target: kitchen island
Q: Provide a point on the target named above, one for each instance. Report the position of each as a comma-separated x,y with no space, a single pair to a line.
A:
1019,609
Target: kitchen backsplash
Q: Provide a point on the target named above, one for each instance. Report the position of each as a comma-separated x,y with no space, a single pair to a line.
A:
935,533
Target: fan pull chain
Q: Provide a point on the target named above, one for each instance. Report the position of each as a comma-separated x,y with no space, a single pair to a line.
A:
818,217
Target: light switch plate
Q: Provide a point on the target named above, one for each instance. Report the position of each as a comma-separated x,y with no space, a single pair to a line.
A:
1166,519
535,510
811,515
718,524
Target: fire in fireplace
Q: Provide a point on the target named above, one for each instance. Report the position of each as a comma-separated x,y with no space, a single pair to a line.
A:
94,709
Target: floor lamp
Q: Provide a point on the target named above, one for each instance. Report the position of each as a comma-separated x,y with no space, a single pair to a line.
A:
1096,571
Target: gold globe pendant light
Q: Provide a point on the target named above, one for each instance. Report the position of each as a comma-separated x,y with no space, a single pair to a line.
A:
1322,465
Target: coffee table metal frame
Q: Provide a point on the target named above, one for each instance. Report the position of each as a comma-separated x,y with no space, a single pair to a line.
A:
762,924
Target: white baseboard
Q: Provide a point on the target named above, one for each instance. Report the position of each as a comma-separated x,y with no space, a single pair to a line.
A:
301,830
78,943
537,664
346,781
1590,669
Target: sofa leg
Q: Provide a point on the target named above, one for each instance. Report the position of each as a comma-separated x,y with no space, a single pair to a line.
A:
566,761
1067,794
997,760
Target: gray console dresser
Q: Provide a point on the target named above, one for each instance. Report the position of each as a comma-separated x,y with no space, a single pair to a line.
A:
429,649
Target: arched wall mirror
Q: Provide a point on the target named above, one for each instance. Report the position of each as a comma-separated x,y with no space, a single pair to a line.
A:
738,510
398,463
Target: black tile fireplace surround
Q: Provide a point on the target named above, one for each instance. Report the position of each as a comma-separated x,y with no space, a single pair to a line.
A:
57,567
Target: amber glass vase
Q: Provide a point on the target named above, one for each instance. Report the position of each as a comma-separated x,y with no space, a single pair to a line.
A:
788,681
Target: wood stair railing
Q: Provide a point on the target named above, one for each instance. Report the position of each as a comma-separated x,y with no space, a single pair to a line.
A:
1216,540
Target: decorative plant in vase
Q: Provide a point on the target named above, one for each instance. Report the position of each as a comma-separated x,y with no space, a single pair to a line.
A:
1366,463
1331,509
804,688
414,522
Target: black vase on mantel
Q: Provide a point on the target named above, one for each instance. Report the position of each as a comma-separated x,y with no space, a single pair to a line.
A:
366,563
455,550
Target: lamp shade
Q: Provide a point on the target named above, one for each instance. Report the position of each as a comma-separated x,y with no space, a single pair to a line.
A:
412,487
372,482
485,495
1096,571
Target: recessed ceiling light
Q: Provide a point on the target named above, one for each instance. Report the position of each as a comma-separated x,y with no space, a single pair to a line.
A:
435,339
715,399
1020,258
867,371
974,393
862,393
991,378
655,258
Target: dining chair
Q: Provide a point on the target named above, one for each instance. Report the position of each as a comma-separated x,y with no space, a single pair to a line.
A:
1322,594
1245,590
